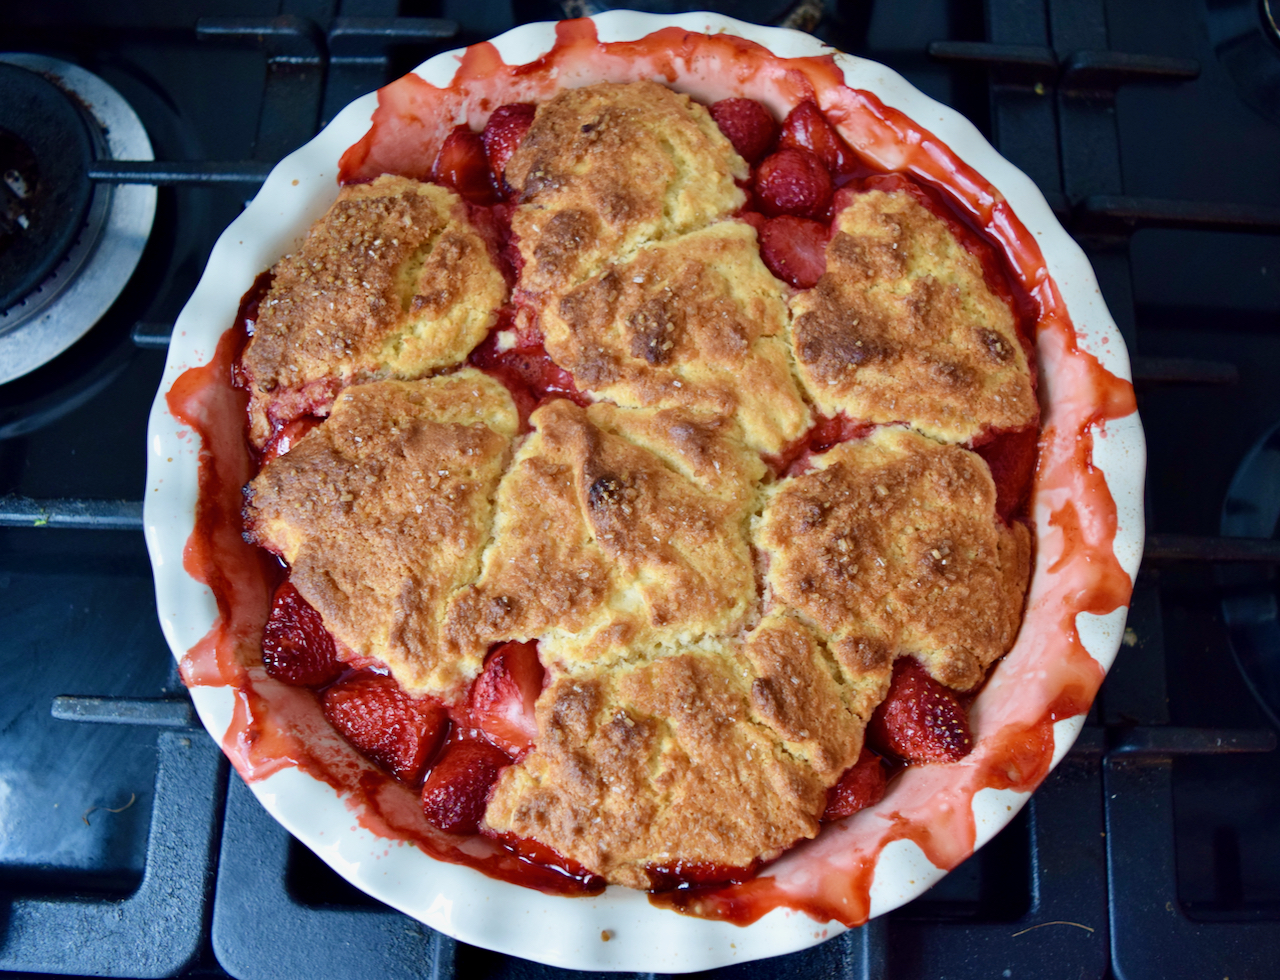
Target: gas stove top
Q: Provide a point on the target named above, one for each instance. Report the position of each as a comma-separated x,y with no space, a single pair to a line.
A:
126,848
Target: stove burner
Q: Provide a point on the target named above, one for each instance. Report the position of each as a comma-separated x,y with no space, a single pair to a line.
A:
45,152
1246,38
72,246
1271,18
1251,604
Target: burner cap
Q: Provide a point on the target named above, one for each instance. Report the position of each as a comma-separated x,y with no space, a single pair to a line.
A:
45,152
1246,38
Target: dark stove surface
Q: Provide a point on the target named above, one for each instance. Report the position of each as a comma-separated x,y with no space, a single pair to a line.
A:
1154,849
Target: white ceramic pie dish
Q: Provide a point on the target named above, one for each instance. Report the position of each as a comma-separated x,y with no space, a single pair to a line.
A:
1086,511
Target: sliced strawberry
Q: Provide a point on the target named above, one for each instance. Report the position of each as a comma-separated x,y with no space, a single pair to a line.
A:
398,732
793,181
807,128
462,165
502,134
1012,459
287,437
747,124
502,697
794,249
457,790
920,720
296,647
861,786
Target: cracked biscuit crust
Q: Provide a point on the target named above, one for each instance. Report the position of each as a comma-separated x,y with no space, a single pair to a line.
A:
617,526
903,327
890,546
644,766
392,281
696,321
382,512
605,168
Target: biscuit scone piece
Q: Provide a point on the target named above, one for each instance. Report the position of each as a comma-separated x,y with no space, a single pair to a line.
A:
903,327
696,321
656,765
891,545
616,526
382,512
605,168
393,281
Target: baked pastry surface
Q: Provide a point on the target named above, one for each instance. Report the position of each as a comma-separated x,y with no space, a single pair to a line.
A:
615,527
605,169
382,512
696,321
716,631
903,328
889,547
393,281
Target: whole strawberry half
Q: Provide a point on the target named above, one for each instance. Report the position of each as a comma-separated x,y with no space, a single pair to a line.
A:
457,790
502,134
861,786
503,696
748,126
920,720
807,128
794,249
462,165
399,732
793,181
296,647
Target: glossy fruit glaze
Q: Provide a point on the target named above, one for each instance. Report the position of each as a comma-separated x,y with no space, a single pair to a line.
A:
1047,678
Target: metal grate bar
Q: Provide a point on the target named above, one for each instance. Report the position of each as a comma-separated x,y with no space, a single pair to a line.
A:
160,712
152,336
99,515
1183,370
1188,547
1116,213
164,172
1171,740
1108,70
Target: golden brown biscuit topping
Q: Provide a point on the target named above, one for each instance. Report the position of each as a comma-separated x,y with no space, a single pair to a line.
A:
382,512
716,634
392,282
613,527
903,328
889,547
695,321
608,167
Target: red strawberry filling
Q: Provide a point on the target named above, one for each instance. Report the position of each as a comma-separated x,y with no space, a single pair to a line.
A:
463,165
296,648
796,168
502,134
807,128
457,790
398,732
747,124
793,181
503,696
794,249
919,720
861,786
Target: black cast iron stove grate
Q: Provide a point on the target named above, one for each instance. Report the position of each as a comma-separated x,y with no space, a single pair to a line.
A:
1085,882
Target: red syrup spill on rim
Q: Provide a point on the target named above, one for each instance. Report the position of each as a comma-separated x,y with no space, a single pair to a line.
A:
1048,677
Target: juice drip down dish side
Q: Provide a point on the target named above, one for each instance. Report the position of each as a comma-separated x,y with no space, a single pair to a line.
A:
631,478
